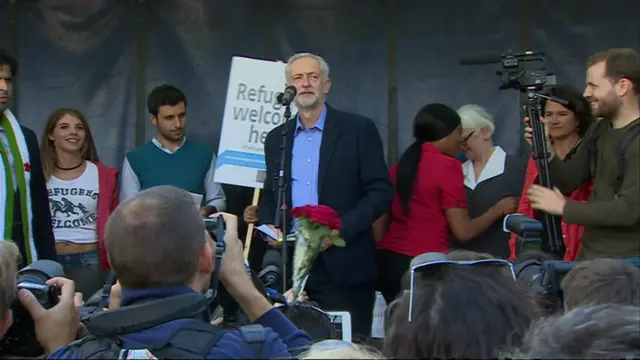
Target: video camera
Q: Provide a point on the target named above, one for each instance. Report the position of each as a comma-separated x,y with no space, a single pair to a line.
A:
521,71
20,339
527,73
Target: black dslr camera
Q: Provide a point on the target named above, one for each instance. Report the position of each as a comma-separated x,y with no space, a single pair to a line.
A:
21,340
545,278
216,228
233,316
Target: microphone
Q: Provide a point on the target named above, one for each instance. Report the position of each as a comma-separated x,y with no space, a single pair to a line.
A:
271,274
285,98
481,59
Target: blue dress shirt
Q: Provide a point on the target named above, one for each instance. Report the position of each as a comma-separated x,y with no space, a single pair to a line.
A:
305,161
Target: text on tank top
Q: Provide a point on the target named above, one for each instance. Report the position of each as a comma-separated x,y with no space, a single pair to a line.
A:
74,205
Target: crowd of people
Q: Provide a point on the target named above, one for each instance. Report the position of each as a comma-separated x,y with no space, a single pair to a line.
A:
427,232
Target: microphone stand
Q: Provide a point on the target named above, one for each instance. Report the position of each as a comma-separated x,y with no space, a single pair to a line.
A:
554,243
280,222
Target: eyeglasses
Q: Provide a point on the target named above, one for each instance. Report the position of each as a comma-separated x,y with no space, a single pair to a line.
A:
466,138
438,259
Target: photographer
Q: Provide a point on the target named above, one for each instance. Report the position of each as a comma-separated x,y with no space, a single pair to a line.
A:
609,153
55,327
156,246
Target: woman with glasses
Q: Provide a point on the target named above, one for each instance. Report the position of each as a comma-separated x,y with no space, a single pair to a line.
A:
430,203
490,175
82,194
565,126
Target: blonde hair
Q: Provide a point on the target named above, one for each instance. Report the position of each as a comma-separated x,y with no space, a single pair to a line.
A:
476,117
9,256
324,67
341,351
48,150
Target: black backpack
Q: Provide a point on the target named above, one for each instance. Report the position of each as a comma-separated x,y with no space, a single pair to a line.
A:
192,341
629,136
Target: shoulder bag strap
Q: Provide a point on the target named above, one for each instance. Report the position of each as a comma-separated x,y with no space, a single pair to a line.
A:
629,136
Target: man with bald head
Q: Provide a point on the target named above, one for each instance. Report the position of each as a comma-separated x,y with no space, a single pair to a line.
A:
158,247
165,220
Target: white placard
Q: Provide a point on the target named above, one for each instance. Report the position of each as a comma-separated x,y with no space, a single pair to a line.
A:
250,112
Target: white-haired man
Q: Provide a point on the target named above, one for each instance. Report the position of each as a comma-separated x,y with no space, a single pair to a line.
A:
336,159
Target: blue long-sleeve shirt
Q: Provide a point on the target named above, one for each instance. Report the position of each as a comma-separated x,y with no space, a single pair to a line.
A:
283,339
305,161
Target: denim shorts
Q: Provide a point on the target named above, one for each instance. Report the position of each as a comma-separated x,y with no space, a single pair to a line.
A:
84,269
83,260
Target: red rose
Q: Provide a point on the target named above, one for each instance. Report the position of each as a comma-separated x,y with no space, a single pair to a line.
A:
327,216
301,211
27,167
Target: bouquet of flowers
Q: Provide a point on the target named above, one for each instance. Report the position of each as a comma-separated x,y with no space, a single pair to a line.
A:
315,224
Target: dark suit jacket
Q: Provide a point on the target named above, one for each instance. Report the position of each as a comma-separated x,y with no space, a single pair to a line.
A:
41,221
352,178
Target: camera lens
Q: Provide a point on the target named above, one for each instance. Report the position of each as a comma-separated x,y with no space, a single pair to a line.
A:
40,271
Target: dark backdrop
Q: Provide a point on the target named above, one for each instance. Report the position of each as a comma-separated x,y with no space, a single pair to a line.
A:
387,58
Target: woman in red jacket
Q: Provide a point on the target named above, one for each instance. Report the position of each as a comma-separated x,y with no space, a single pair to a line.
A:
566,126
82,194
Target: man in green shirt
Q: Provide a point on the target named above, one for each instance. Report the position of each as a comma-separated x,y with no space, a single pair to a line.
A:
611,217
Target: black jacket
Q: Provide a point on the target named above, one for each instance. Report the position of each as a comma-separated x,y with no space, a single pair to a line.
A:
41,221
352,178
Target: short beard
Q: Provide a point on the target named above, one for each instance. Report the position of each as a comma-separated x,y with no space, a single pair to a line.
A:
609,107
312,105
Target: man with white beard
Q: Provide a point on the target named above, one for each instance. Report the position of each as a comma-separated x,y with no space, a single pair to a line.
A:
336,159
609,155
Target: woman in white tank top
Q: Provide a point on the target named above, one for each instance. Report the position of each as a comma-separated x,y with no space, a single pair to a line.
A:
80,199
